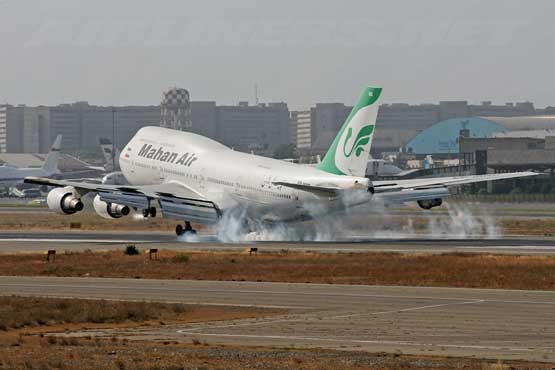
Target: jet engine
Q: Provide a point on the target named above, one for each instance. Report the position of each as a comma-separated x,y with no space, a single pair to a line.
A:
64,200
430,203
109,210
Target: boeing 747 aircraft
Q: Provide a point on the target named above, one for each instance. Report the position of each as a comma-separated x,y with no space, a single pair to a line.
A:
195,179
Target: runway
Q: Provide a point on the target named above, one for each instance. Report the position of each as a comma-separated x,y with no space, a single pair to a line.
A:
502,324
24,242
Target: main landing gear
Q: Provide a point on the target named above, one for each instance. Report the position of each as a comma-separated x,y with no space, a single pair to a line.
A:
185,230
149,212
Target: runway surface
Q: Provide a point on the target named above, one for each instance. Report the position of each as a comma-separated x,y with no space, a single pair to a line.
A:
20,242
495,324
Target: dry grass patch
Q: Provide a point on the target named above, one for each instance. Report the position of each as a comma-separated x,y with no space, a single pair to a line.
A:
533,226
88,220
23,312
80,221
93,354
454,270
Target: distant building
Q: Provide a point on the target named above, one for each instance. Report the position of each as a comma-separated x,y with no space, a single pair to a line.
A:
82,125
397,124
127,121
176,109
327,119
23,129
33,129
303,129
204,118
248,128
514,150
260,128
444,138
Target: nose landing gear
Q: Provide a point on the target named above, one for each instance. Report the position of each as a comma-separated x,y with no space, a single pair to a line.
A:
185,230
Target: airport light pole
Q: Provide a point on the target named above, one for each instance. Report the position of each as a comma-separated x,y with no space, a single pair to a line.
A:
113,138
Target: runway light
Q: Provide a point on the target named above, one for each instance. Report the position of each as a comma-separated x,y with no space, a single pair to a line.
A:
51,252
153,252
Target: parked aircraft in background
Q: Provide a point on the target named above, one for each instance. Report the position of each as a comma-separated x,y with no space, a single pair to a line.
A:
10,176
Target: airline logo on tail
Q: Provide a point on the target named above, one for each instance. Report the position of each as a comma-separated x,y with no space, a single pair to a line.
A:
355,137
361,140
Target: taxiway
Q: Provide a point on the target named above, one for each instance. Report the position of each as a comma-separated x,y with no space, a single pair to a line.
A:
504,324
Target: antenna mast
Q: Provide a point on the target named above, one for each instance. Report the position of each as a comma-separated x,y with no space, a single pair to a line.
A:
256,94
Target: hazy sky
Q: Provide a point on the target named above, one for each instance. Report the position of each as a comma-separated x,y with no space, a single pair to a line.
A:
302,51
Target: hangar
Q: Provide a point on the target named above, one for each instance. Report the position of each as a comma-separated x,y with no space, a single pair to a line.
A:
444,137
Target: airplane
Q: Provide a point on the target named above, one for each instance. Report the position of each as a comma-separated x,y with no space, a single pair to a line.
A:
10,176
110,153
194,179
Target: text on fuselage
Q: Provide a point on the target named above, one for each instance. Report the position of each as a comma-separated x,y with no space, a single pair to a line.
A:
159,154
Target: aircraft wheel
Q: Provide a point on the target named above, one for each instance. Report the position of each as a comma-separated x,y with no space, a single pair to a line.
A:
179,230
152,211
189,229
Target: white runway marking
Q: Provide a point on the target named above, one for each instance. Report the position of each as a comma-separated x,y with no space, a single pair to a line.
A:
365,341
408,309
515,247
70,240
195,332
269,322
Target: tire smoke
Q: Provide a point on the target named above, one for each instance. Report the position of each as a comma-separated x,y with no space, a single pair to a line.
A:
370,220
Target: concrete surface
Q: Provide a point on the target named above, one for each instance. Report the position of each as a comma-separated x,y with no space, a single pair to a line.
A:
498,324
22,242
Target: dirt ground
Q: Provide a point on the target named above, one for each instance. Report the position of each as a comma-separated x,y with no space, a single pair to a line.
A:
449,270
32,337
60,314
36,221
79,221
43,352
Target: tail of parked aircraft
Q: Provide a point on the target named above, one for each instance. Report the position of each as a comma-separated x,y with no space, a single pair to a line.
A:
349,152
111,154
51,162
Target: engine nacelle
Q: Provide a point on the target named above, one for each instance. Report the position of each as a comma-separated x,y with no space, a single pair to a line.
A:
430,203
109,210
64,200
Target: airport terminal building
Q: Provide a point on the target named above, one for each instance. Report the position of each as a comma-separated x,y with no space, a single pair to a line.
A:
260,128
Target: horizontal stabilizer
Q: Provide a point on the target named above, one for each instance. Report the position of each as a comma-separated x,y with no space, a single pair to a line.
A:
436,182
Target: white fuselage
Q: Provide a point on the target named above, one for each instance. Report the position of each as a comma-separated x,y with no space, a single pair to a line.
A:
231,179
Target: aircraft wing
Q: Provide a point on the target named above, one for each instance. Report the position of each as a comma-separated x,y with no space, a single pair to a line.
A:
437,182
176,200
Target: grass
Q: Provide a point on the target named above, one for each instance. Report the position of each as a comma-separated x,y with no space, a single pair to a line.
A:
131,250
449,270
90,354
26,342
23,312
80,221
49,221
